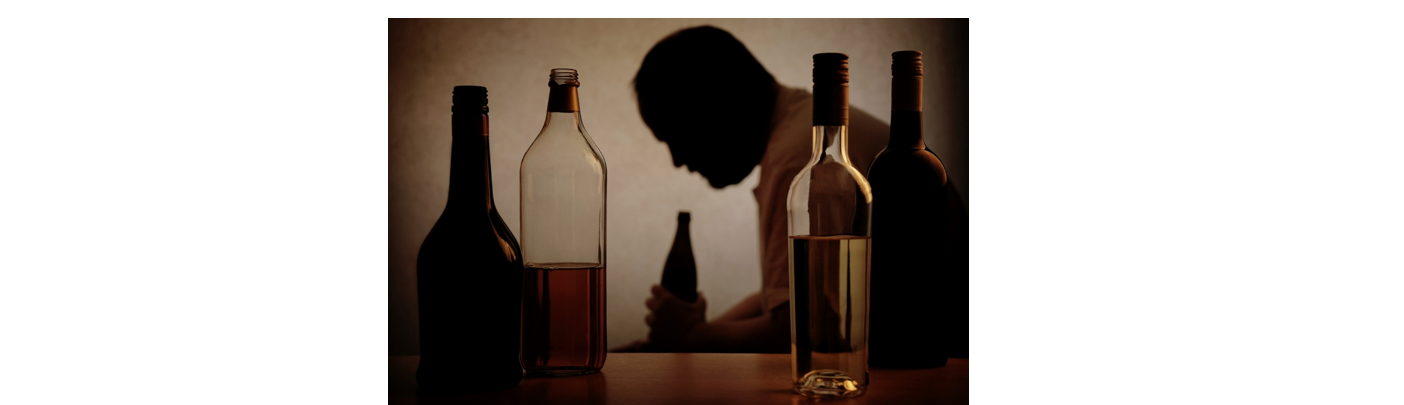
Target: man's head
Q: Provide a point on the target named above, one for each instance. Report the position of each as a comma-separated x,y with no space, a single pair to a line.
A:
703,94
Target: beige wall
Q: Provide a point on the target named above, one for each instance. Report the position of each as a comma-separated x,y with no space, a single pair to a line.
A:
513,58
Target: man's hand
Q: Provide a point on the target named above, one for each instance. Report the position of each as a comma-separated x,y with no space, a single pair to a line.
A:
671,320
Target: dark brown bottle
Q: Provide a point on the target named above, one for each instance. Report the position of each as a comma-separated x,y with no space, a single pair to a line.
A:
918,298
469,272
680,270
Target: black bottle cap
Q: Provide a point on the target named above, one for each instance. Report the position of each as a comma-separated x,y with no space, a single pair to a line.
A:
830,68
830,89
469,99
684,216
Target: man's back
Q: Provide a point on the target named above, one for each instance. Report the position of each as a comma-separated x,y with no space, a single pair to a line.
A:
787,152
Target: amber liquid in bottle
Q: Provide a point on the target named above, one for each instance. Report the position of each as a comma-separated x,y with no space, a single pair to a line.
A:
564,317
563,241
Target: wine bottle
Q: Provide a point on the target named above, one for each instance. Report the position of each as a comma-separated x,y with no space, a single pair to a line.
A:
563,241
829,204
680,269
469,269
911,309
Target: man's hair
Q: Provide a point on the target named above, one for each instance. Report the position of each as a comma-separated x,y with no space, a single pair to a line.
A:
703,75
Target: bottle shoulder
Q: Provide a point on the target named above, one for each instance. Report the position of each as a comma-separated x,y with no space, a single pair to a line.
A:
562,129
911,164
563,149
480,239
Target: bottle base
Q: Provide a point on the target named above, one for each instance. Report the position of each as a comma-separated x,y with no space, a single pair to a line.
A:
561,371
829,384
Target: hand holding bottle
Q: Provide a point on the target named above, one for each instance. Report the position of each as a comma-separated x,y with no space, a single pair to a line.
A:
680,270
671,320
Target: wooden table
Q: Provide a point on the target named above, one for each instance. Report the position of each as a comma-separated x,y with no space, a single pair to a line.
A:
696,378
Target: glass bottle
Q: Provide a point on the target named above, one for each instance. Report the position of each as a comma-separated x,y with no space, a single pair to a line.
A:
467,271
563,241
680,269
912,316
829,206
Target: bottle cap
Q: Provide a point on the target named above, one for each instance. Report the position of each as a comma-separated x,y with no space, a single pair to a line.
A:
906,81
469,99
684,216
830,68
565,76
906,63
830,89
564,84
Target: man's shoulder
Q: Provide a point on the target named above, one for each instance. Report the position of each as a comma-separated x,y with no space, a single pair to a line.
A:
791,97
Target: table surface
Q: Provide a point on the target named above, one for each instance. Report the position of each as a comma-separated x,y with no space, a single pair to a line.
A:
696,378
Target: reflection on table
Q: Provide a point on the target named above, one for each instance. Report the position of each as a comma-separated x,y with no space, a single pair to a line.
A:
696,378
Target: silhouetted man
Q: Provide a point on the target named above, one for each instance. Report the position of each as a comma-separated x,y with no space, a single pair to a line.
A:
722,114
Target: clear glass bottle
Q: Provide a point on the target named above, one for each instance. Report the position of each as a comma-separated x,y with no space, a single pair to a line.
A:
915,282
468,270
829,209
680,269
563,241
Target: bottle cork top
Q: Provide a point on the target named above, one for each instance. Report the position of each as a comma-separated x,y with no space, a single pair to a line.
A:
469,99
906,63
830,68
830,89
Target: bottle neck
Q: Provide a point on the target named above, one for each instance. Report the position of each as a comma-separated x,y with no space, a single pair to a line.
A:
563,107
905,132
565,98
683,231
830,142
470,168
830,108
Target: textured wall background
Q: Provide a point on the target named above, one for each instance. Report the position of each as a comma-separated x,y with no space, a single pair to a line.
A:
513,59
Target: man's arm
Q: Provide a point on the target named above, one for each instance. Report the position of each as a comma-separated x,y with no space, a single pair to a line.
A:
765,333
749,307
678,326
